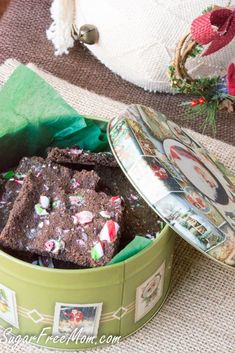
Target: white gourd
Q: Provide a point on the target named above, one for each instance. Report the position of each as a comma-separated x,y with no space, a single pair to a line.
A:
137,38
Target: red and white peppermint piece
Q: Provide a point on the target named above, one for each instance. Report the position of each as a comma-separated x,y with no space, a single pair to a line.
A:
44,202
38,174
97,251
109,231
75,221
20,182
76,200
116,200
75,183
75,152
83,217
105,214
54,246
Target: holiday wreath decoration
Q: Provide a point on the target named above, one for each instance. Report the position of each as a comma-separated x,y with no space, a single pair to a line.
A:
215,29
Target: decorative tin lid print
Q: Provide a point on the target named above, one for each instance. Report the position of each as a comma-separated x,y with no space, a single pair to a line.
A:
187,187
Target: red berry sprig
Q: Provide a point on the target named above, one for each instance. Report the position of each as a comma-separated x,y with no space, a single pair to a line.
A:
201,100
195,102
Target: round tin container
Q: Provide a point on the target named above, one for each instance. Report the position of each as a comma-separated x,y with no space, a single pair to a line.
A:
117,299
189,188
45,305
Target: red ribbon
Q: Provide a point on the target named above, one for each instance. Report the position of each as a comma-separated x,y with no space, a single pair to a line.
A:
204,32
231,79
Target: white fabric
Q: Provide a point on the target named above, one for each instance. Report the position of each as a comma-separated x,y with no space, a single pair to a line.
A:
60,31
138,37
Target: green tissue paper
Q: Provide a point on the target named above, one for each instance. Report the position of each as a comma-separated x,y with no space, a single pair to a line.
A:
134,247
33,116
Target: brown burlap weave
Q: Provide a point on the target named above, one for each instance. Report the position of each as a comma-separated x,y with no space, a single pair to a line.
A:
199,315
22,36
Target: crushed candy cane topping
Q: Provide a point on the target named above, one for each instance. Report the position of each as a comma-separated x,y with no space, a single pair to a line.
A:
75,152
109,231
39,210
116,200
42,207
105,214
76,200
54,246
97,252
83,217
75,183
18,178
44,202
56,203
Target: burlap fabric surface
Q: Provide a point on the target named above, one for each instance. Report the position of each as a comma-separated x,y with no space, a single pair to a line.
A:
199,315
22,36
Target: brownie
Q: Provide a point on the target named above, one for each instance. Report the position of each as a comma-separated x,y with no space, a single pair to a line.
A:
86,179
12,181
52,218
139,218
48,203
79,156
11,184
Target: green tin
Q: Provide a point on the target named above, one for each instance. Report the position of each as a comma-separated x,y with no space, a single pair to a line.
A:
112,301
35,295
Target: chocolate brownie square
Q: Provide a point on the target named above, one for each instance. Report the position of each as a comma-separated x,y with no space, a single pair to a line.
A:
82,227
79,156
12,181
11,184
85,179
85,231
139,218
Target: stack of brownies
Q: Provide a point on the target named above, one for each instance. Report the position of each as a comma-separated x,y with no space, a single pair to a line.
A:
74,209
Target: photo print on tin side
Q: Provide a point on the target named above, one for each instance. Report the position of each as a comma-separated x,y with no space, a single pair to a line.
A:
226,251
155,123
124,144
182,136
204,175
156,127
193,227
196,172
149,293
8,306
69,317
152,180
201,204
148,144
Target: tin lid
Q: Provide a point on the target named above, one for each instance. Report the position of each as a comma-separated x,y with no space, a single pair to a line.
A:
188,188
